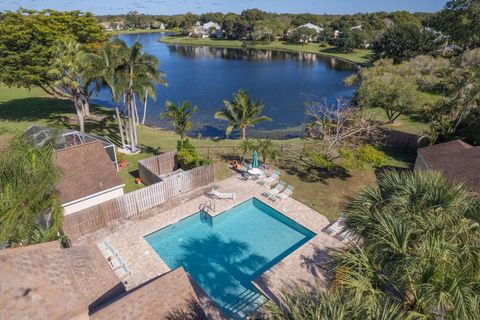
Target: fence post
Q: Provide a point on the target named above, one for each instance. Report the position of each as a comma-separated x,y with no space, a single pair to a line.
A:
208,152
233,151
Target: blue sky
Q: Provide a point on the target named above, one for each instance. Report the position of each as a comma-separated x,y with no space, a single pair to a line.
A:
200,6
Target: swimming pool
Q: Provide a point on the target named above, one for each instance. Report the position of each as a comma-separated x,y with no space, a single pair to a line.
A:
225,253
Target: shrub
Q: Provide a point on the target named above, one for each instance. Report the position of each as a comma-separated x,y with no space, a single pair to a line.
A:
319,160
187,156
371,155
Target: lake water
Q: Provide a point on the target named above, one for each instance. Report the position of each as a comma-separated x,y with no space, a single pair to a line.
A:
206,76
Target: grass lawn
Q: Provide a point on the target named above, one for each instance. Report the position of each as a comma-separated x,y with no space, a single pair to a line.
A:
360,56
20,108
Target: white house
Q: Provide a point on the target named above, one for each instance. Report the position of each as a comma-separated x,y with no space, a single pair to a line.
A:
87,177
311,26
209,29
359,27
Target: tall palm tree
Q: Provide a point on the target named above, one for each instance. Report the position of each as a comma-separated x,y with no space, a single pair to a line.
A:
138,68
68,69
179,116
241,113
419,244
106,66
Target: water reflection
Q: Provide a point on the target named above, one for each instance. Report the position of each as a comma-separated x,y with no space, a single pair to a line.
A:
195,52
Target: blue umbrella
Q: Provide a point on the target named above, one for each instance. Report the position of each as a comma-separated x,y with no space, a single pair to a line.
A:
254,159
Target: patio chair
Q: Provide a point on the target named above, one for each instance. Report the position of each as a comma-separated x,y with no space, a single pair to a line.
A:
104,245
116,262
284,194
337,226
271,179
273,192
221,195
109,253
345,236
123,272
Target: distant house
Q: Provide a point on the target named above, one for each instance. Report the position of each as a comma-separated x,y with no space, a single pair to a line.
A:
359,27
311,26
336,33
458,161
209,29
112,26
47,282
87,177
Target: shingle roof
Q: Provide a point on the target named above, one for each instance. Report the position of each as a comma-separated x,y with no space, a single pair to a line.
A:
170,296
458,161
46,282
85,170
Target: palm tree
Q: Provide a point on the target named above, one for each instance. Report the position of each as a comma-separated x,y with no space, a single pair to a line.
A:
419,244
68,69
268,151
179,116
27,192
241,113
106,65
138,68
246,145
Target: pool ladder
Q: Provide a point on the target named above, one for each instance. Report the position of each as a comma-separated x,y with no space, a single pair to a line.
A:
207,206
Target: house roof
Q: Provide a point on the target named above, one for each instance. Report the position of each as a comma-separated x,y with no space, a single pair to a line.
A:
458,161
311,26
84,170
168,296
47,282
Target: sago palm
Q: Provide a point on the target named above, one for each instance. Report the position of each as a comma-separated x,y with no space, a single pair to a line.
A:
241,113
180,117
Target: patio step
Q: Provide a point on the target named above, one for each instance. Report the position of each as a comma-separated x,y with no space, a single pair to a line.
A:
245,304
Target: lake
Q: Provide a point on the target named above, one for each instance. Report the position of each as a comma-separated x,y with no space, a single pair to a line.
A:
206,76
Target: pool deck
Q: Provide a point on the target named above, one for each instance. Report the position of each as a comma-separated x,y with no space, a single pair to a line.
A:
302,266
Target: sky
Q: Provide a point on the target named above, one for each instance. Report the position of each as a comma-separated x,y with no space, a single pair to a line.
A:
101,7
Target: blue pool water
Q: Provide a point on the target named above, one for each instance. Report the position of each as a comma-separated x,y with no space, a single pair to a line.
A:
225,253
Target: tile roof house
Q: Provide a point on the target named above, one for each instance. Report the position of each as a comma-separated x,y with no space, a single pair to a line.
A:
457,160
47,282
87,177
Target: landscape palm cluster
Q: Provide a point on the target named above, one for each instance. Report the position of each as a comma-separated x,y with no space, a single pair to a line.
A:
418,257
126,72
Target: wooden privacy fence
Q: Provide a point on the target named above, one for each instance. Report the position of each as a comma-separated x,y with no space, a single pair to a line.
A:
117,210
403,140
152,168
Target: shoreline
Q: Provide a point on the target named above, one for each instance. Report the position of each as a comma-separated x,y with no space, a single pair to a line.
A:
139,31
360,57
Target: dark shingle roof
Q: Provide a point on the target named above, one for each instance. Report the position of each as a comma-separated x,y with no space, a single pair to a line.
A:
170,296
84,170
458,161
46,282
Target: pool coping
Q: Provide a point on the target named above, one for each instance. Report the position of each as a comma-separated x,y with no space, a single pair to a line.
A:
129,238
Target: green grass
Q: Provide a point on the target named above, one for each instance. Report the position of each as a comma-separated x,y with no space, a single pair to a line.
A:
360,56
20,108
413,122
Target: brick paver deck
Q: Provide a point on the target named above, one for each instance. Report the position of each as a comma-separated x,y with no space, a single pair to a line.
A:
301,266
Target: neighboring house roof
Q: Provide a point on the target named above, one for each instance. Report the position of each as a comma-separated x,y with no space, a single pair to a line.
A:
311,26
84,170
211,24
170,296
47,282
359,27
457,160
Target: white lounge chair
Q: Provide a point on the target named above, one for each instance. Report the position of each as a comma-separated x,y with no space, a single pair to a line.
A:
271,179
284,194
273,192
337,226
221,195
116,262
123,272
345,236
104,245
109,253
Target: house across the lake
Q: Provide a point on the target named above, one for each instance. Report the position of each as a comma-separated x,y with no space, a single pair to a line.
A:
457,160
209,29
87,177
